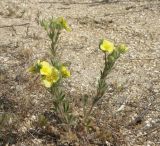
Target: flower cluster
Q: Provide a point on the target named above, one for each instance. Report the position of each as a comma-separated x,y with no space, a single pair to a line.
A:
53,27
113,51
58,23
107,46
49,74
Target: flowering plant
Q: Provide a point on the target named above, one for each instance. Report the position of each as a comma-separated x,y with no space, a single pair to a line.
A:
53,73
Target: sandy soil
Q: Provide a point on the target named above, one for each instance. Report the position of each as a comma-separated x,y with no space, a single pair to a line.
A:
134,22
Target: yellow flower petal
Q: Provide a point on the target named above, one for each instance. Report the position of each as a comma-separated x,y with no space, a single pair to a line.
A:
55,75
46,68
65,72
64,24
47,83
107,46
52,78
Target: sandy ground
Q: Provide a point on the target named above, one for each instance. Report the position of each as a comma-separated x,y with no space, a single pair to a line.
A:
134,22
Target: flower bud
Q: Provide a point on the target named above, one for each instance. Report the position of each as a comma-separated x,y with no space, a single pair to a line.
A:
122,48
111,59
116,54
65,72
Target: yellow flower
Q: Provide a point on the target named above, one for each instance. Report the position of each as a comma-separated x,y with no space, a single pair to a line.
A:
65,72
64,24
107,46
50,79
122,48
50,74
46,68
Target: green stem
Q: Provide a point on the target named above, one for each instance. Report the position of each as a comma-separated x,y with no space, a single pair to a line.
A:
59,106
88,113
54,42
105,58
100,92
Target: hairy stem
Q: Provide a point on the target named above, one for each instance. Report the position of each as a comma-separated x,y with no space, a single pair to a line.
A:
101,85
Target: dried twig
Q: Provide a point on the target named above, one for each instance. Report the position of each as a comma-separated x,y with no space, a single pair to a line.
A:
141,115
14,25
144,58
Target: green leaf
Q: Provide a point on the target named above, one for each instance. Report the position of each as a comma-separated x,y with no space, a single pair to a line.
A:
44,24
88,122
116,54
66,106
42,120
85,100
56,103
54,109
70,118
61,98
